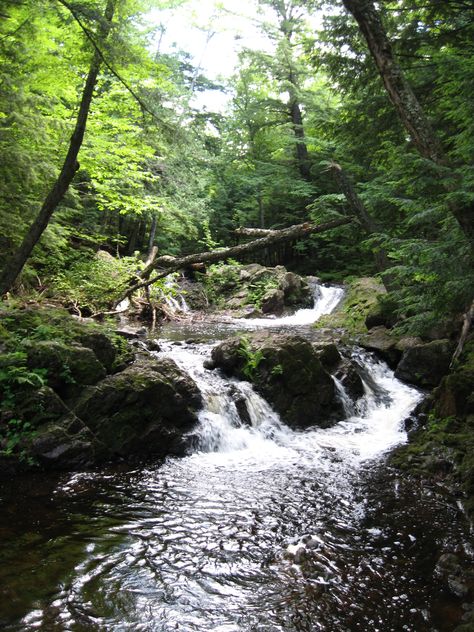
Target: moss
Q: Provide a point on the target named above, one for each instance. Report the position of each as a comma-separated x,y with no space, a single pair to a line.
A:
362,297
444,447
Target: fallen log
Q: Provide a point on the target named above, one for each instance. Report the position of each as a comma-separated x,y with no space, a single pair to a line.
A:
169,264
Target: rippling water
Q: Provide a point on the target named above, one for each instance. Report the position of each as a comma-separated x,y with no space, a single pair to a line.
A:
261,529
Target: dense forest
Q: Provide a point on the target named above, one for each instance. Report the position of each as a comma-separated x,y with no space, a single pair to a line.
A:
368,115
236,314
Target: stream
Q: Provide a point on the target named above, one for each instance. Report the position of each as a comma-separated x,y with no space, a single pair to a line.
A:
260,528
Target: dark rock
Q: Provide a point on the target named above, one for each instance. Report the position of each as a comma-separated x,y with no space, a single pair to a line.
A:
154,345
240,405
349,377
41,406
375,318
66,365
383,344
102,346
328,354
341,368
64,445
144,410
286,370
425,365
454,397
273,302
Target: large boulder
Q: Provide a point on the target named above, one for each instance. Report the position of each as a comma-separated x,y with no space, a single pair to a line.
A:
64,445
67,366
287,372
273,302
102,346
383,344
265,289
426,364
145,410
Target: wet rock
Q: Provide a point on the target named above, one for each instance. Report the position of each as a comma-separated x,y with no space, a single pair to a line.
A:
240,405
287,372
425,365
145,410
66,365
349,377
273,302
343,369
154,345
328,354
380,341
64,445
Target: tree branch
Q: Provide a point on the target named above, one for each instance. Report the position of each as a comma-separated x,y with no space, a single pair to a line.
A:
106,63
172,264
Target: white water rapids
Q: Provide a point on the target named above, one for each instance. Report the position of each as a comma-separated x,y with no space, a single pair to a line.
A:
260,529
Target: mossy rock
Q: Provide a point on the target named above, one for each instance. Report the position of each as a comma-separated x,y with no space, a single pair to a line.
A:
288,373
147,409
426,364
66,444
66,365
362,297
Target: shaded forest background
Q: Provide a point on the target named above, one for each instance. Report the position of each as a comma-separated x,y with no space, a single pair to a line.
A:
309,134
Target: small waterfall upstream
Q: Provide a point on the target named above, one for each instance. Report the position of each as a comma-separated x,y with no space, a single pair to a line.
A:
260,528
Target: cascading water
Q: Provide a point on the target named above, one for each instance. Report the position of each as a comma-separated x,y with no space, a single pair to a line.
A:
259,529
326,299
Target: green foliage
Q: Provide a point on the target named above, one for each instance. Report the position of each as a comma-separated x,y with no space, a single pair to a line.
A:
96,281
220,280
252,359
16,380
258,289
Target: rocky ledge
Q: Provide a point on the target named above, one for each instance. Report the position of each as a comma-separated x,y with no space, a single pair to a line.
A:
291,373
74,403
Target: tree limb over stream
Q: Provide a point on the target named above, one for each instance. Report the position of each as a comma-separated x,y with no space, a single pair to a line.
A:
168,264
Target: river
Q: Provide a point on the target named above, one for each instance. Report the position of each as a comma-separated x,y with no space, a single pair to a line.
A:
260,528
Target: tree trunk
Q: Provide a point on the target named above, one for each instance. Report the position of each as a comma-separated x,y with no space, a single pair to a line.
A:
368,222
405,101
171,264
151,239
302,155
70,165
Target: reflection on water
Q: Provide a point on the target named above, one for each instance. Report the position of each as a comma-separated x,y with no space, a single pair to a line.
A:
206,544
260,530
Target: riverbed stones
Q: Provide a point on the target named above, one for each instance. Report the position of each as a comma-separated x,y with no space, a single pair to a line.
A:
287,372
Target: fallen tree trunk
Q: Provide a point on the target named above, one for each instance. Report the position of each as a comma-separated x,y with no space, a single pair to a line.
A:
171,264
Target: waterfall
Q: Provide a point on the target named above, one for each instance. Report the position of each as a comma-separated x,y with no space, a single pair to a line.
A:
236,418
326,298
173,298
